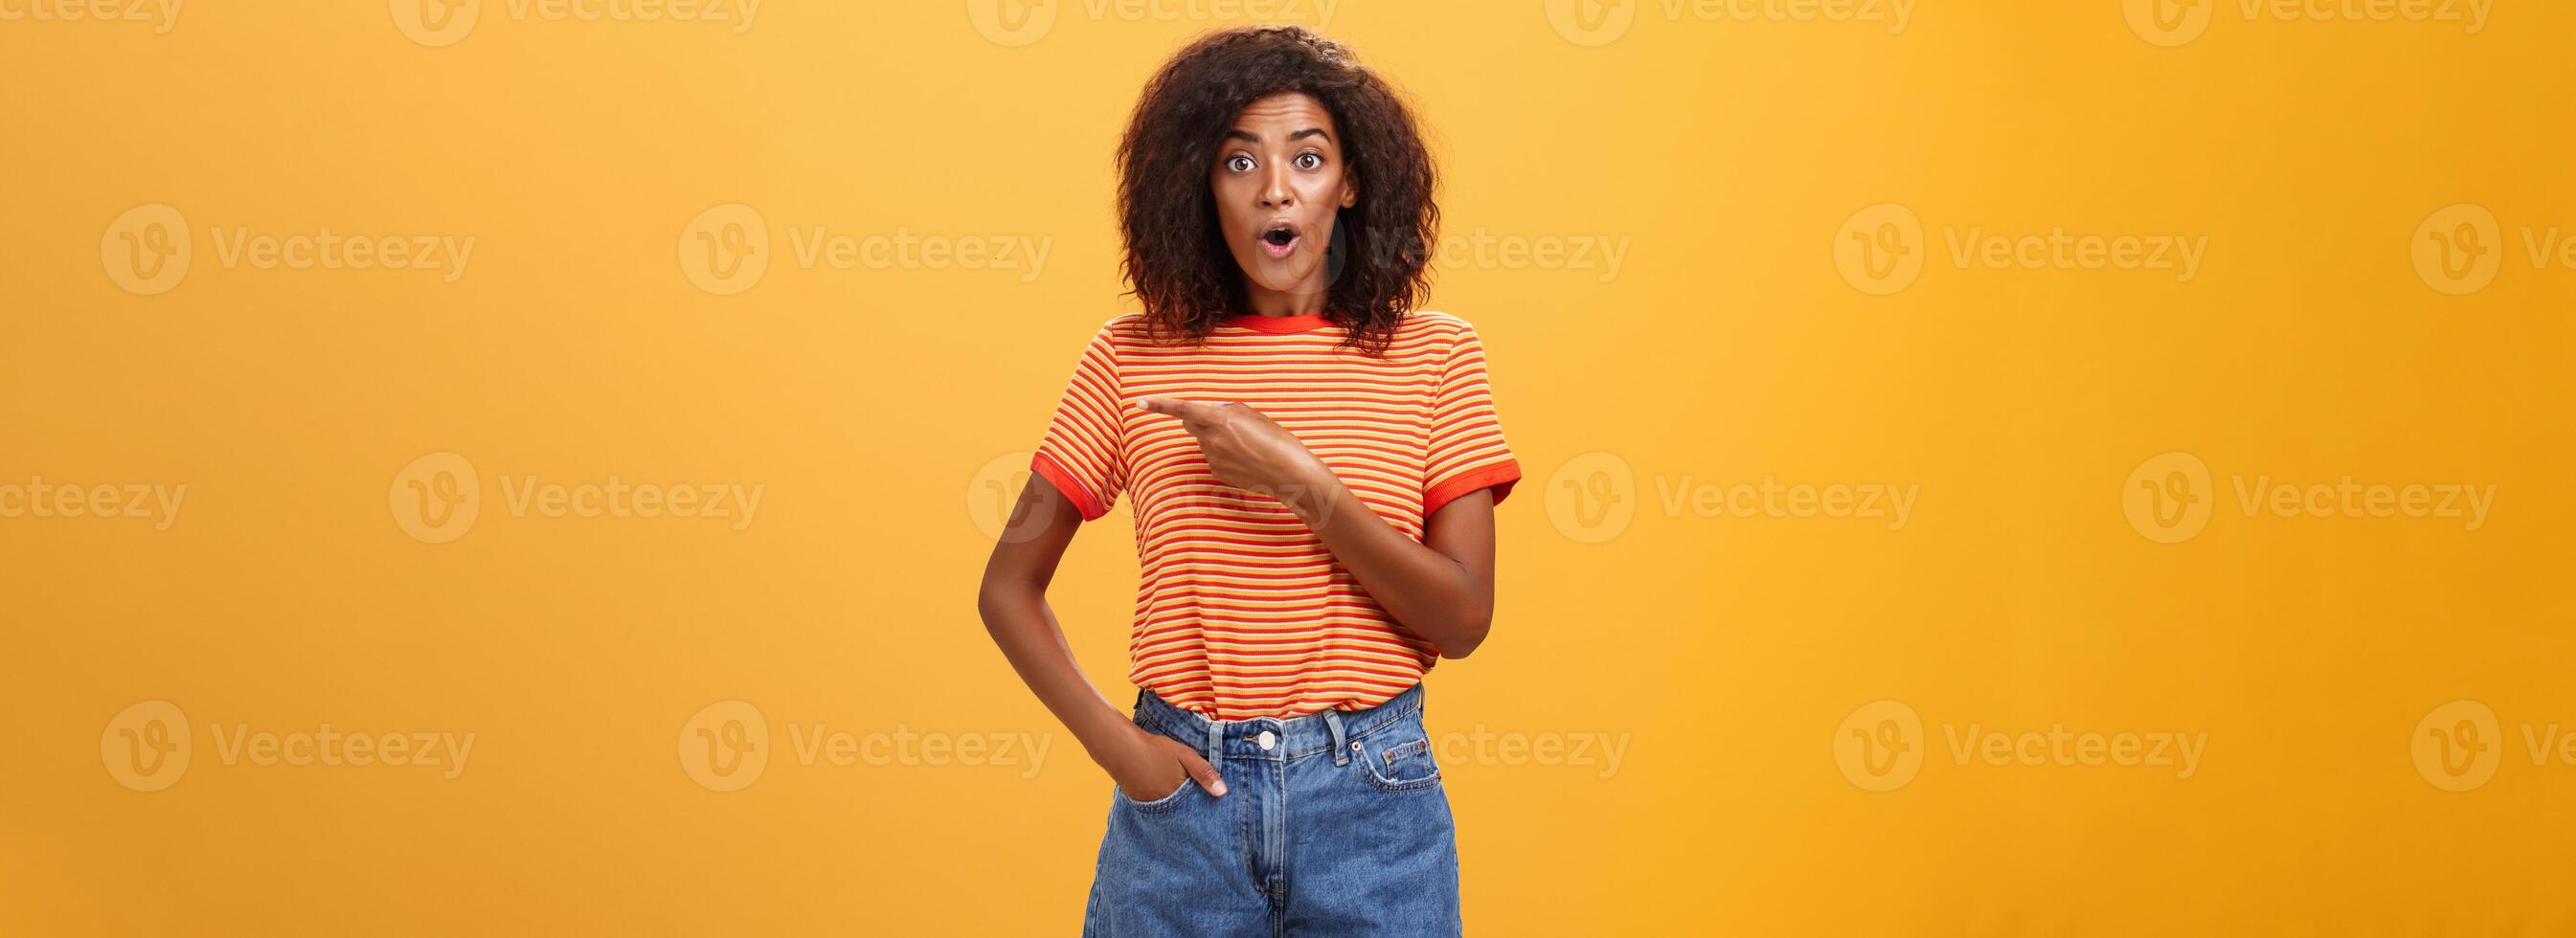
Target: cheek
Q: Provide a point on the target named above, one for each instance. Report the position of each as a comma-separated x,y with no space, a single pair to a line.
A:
1325,194
1229,201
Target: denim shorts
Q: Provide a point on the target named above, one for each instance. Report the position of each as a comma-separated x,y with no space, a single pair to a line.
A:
1333,823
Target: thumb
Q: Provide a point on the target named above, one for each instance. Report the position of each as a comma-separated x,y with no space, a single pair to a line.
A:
1206,774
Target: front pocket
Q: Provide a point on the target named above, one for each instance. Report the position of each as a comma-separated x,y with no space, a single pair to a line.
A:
1165,803
1400,763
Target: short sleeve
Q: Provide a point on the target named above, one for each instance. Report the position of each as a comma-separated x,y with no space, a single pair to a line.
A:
1467,448
1081,454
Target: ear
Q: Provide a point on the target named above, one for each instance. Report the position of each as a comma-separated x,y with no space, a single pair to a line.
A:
1350,189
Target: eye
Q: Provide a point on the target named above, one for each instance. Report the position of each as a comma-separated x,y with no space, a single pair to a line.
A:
1309,160
1238,163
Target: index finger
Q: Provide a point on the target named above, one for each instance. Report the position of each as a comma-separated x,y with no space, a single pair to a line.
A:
1188,411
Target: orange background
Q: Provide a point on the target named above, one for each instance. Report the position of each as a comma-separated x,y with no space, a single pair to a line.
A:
1729,646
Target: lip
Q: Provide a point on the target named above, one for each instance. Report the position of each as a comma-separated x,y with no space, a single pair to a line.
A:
1278,251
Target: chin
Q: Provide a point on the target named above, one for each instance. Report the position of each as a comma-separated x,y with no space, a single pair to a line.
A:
1278,280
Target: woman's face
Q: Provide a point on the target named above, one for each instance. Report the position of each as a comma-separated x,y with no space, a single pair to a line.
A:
1279,177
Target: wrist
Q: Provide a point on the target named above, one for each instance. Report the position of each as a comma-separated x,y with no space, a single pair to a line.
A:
1318,489
1103,742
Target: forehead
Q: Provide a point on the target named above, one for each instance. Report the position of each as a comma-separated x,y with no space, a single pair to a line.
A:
1275,116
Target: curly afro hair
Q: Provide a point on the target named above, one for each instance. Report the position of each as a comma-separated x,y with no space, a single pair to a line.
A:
1177,264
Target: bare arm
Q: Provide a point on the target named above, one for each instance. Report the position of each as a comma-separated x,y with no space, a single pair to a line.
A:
1440,588
1013,604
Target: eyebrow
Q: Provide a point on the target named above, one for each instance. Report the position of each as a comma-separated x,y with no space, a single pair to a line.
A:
1247,137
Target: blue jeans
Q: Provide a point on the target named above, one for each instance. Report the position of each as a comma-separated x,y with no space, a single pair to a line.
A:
1333,823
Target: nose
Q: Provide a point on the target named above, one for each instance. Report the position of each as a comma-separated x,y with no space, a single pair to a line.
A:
1275,192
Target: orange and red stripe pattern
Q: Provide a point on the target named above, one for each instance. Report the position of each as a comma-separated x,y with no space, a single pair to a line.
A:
1240,611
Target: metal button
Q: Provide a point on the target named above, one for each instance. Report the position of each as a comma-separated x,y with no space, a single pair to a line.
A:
1265,740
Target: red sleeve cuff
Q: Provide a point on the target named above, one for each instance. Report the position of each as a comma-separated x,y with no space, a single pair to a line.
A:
1064,481
1498,476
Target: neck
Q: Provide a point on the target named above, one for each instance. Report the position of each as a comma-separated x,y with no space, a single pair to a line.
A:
1299,302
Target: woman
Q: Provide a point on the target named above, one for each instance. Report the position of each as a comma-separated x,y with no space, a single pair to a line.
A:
1313,466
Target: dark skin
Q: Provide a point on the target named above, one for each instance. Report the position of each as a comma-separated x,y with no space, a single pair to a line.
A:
1280,162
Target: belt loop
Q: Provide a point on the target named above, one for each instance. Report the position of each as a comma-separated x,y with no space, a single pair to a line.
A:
1216,744
1341,747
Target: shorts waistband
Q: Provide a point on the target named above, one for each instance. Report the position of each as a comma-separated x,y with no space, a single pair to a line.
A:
1289,737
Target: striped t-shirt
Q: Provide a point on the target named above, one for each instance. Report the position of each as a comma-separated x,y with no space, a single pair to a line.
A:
1240,611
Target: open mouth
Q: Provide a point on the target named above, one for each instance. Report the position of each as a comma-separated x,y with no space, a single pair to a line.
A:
1279,240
